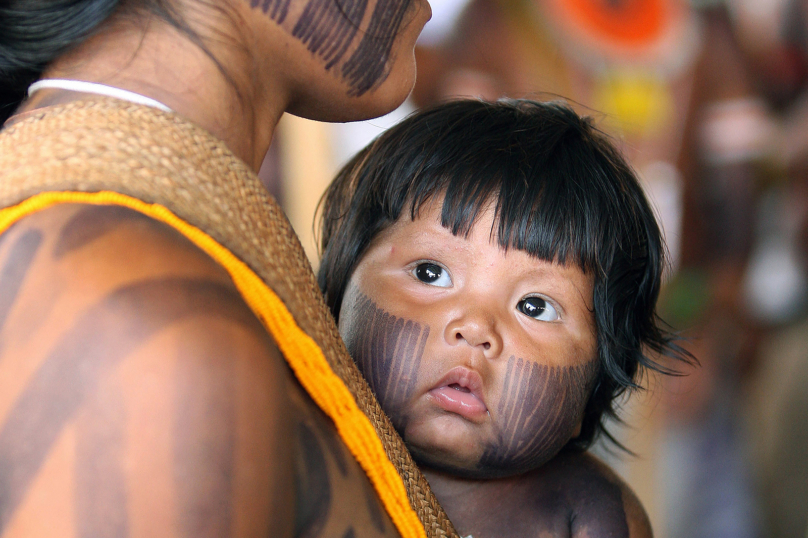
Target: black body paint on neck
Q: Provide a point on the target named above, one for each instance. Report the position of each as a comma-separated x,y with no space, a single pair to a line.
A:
539,411
388,352
276,9
327,28
572,495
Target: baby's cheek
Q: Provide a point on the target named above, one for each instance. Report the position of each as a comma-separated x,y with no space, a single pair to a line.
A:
539,412
388,351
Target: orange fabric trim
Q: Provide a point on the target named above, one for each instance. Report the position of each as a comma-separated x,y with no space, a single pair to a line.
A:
301,352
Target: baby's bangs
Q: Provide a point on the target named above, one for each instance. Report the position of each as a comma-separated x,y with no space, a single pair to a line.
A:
550,214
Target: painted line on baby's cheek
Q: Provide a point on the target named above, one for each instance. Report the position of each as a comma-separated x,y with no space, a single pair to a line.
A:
538,410
388,350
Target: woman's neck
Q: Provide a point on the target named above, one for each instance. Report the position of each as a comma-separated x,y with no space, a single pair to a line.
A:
166,66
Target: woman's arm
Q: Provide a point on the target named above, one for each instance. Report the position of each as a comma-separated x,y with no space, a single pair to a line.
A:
139,395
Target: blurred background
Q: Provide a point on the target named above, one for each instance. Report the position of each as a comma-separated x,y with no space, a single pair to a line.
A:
709,101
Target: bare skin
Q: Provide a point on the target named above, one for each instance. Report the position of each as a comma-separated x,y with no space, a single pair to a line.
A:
570,495
268,70
491,370
485,387
139,395
143,397
573,495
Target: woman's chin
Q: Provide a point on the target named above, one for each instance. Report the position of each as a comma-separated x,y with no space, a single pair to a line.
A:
336,103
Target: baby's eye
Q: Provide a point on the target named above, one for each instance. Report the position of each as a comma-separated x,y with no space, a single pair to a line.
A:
433,274
537,308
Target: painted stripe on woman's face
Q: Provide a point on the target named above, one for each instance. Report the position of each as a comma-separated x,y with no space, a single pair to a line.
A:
369,64
329,28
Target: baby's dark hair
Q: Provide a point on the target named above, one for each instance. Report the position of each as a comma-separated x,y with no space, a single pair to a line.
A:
563,193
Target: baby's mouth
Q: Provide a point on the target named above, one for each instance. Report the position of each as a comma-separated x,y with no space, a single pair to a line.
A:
460,392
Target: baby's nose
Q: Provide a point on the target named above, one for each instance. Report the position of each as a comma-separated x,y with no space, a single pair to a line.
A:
478,331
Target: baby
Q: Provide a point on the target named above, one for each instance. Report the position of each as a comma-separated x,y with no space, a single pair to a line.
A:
494,270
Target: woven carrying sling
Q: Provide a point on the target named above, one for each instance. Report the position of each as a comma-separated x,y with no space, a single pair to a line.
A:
105,151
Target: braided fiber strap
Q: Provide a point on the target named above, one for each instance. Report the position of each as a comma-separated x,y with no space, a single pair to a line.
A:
111,148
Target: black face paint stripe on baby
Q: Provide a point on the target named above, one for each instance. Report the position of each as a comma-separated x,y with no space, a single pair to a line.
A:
540,407
388,351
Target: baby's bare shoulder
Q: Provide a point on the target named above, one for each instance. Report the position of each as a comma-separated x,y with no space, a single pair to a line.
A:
600,502
572,495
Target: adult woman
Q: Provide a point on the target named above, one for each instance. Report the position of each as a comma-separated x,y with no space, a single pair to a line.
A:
151,291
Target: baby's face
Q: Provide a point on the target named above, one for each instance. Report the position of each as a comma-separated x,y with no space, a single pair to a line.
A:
482,358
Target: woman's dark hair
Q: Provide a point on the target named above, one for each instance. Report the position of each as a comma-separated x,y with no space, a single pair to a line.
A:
563,193
33,33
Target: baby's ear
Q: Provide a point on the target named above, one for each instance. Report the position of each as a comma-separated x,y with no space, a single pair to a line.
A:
577,431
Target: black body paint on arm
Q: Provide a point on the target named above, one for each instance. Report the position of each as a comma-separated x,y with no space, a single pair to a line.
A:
91,223
100,484
18,261
388,352
204,439
313,485
97,342
374,510
330,485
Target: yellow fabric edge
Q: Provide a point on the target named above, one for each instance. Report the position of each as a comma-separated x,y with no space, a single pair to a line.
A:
302,354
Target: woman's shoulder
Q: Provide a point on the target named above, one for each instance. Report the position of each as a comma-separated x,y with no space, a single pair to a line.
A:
113,323
79,263
73,236
130,363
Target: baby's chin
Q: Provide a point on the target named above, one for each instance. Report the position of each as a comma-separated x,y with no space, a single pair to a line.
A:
478,465
460,466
